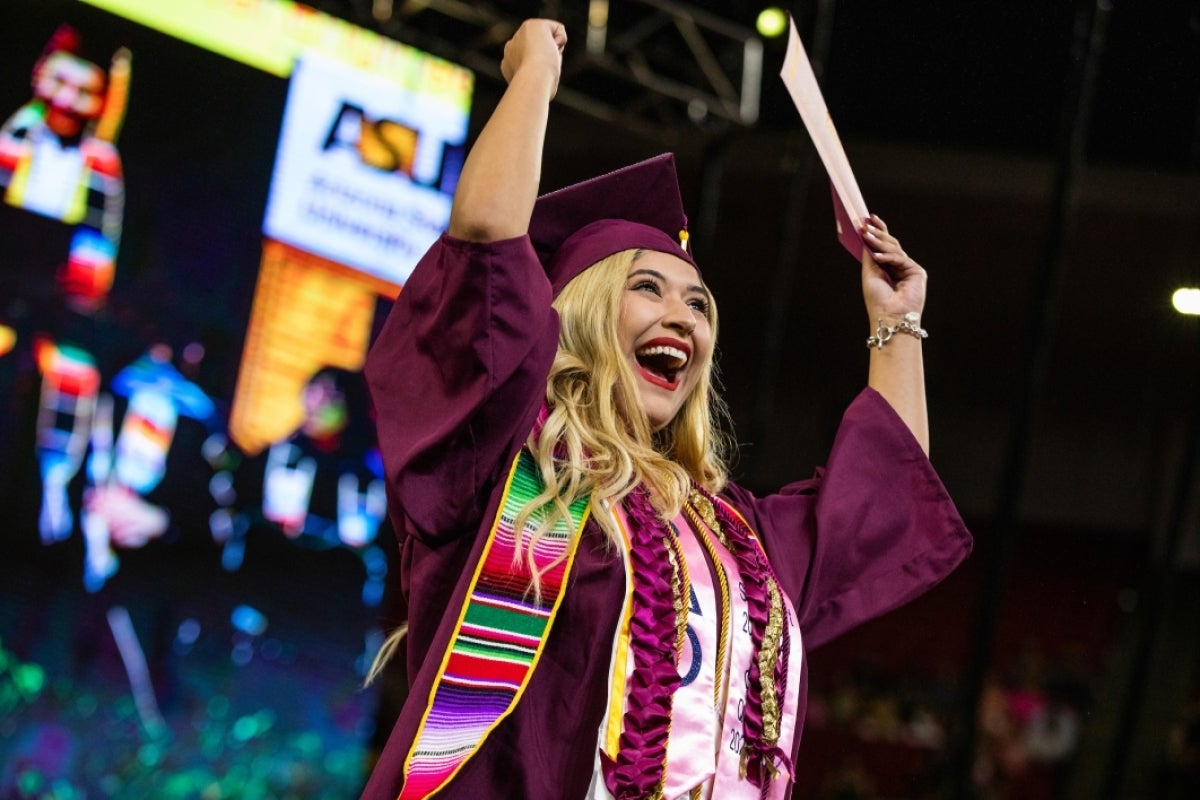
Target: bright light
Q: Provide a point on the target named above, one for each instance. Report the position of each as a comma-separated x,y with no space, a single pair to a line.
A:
772,21
8,337
1186,301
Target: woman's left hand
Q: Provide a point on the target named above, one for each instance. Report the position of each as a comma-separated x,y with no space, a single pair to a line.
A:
893,284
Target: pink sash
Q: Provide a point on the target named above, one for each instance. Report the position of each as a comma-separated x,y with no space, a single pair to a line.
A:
695,731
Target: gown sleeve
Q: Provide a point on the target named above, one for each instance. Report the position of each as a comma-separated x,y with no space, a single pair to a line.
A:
871,531
457,375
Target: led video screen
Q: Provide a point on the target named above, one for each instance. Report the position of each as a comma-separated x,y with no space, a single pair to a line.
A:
206,207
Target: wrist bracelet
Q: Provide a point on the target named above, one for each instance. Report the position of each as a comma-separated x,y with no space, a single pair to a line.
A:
910,323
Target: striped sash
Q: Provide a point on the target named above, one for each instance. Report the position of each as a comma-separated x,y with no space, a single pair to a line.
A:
499,637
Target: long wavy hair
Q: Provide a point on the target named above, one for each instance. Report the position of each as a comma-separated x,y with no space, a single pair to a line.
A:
597,439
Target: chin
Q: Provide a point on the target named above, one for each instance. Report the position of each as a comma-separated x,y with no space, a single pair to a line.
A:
661,405
659,422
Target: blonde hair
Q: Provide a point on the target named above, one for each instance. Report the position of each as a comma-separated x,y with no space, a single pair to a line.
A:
597,441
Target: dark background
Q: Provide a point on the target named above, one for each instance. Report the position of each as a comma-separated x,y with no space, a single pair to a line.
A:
256,667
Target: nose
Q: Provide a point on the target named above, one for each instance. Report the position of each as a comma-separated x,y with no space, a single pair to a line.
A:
679,316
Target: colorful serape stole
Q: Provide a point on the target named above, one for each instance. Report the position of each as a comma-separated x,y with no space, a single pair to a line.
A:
500,634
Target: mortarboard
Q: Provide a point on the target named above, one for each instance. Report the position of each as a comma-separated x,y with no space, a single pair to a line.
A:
638,206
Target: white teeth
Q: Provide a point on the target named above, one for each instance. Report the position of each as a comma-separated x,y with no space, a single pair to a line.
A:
665,350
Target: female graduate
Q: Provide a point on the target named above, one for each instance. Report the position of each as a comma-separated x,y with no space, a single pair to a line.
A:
595,610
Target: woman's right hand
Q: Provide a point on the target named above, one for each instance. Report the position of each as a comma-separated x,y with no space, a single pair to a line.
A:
499,181
537,43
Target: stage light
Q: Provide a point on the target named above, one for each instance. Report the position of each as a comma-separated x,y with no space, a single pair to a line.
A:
771,22
1186,301
382,10
597,31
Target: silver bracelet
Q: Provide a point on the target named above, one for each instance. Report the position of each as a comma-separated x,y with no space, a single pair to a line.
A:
910,323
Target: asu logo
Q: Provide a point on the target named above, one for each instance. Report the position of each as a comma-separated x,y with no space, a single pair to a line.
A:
383,144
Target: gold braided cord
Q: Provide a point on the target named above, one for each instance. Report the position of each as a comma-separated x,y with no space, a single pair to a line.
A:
703,506
768,657
681,587
724,623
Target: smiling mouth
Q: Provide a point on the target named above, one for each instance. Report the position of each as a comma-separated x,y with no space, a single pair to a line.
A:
661,364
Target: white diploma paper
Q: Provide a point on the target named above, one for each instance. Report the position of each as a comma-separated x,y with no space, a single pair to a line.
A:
848,205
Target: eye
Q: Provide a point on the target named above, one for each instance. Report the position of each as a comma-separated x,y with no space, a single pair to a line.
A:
646,286
700,305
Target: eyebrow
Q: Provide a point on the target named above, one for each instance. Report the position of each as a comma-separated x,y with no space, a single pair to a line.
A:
696,287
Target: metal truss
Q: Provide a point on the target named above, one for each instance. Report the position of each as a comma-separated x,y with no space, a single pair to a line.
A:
656,67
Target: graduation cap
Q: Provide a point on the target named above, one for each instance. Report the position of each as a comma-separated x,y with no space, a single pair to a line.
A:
635,207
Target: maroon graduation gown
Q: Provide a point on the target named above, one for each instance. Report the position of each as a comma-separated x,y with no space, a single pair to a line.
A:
457,376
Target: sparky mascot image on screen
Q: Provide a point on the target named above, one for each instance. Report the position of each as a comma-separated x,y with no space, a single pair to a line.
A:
58,159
